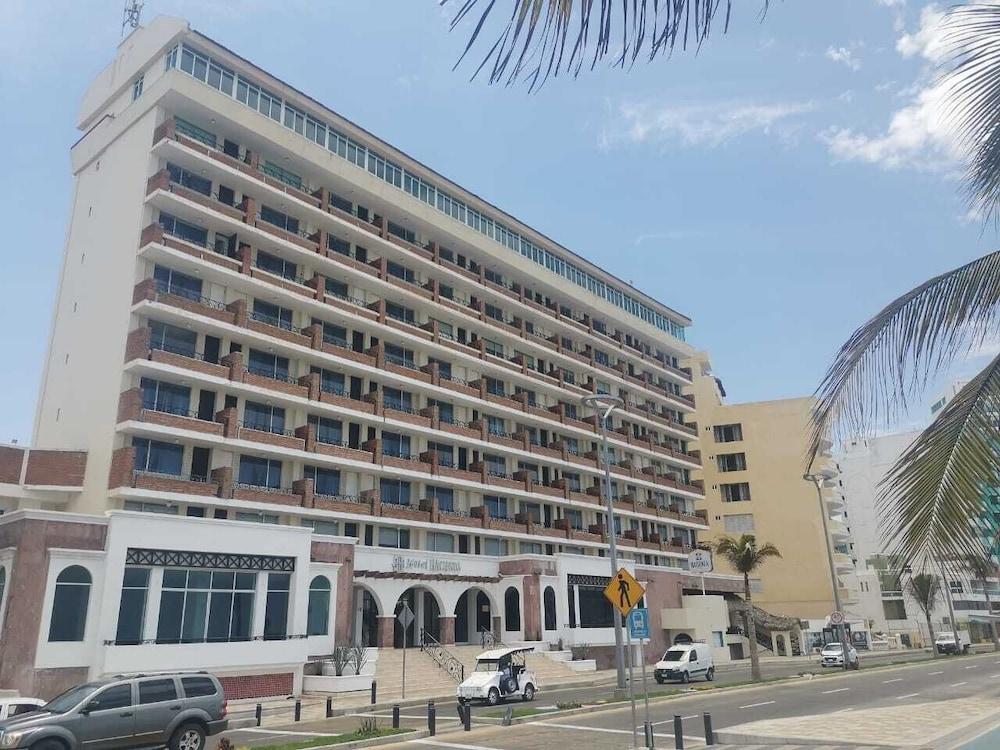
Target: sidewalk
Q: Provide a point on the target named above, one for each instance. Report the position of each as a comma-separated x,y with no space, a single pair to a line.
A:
920,725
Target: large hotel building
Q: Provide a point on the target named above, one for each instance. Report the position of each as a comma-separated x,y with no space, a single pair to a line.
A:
296,377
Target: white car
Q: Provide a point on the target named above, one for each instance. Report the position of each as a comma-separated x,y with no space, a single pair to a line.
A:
945,642
832,655
11,707
682,661
499,674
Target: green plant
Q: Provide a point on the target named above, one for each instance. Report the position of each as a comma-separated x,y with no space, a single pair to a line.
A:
341,657
358,658
368,727
924,589
581,652
745,556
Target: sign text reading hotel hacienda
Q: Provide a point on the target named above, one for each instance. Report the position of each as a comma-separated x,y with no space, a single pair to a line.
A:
402,564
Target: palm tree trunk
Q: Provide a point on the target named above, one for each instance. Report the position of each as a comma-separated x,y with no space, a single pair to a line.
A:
994,627
930,634
751,630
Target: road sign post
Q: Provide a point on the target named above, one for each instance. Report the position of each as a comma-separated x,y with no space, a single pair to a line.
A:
624,593
405,617
700,561
631,687
638,626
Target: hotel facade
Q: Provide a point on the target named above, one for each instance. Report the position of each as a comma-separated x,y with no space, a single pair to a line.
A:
296,378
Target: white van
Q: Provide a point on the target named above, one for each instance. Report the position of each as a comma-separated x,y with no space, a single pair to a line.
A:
945,643
683,661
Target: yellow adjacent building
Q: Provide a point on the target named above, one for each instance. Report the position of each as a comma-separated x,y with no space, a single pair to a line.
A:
753,458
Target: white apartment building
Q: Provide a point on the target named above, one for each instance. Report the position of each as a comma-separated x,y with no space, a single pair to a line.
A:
297,378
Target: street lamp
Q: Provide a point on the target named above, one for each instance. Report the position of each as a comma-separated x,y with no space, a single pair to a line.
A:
818,479
604,404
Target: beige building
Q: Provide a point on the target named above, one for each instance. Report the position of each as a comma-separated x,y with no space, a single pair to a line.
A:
753,462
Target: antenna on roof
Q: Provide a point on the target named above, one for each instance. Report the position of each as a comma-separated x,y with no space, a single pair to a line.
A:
130,16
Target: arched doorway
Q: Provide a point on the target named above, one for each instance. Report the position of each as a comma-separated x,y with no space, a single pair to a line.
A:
426,617
473,615
549,606
366,614
682,638
511,610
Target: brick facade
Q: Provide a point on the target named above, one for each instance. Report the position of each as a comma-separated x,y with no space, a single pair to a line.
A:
238,687
10,464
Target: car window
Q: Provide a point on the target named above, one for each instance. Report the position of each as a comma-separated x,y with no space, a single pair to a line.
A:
71,698
117,696
674,654
16,709
195,686
694,656
155,691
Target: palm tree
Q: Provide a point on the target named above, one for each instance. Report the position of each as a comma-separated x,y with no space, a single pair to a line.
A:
932,498
543,38
980,568
744,556
924,589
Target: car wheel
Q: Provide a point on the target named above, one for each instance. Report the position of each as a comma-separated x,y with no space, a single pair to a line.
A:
659,680
685,678
710,674
493,697
188,737
529,692
48,745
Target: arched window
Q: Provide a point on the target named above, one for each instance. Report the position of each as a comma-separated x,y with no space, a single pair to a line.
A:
69,605
512,609
549,604
318,621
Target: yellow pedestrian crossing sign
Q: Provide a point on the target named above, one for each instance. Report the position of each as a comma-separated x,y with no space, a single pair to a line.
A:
624,592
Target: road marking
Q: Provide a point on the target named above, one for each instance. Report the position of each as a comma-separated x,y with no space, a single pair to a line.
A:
933,673
843,710
959,684
606,730
886,682
838,690
908,695
972,666
671,720
296,734
755,705
449,744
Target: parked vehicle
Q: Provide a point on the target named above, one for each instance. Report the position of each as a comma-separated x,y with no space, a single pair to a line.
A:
11,707
945,642
178,710
684,661
832,655
499,674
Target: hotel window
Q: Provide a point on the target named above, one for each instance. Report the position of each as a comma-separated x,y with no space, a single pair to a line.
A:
132,607
395,445
532,510
158,457
494,348
495,425
70,602
264,417
318,613
531,396
445,497
172,339
399,356
495,547
278,266
740,523
446,411
530,468
528,360
492,311
279,219
260,472
137,87
267,365
329,431
531,548
399,271
731,461
575,518
394,492
174,282
325,481
495,506
254,517
603,387
444,368
400,313
494,386
165,397
445,453
276,606
326,528
336,288
495,465
190,180
183,230
281,174
139,506
329,381
735,493
393,538
728,433
602,358
272,315
437,542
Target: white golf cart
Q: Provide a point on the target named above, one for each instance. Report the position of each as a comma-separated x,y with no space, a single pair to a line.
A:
499,674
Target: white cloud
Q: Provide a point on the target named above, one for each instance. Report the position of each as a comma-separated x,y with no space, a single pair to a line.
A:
928,40
845,56
702,124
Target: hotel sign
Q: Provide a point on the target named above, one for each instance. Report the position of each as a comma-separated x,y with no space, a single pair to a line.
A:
402,564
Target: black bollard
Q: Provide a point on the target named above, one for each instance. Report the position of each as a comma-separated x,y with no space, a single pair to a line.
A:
431,717
374,691
298,710
467,718
329,707
678,732
258,713
395,716
647,729
709,734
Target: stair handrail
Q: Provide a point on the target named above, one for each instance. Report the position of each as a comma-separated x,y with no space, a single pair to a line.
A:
442,656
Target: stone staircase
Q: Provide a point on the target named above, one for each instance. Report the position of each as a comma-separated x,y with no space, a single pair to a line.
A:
424,678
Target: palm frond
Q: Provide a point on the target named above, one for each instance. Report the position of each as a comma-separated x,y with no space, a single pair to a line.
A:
924,589
743,554
891,358
931,496
543,38
971,37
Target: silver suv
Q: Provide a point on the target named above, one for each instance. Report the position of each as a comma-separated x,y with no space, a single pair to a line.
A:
177,710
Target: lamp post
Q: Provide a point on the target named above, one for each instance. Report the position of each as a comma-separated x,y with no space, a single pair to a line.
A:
603,405
818,480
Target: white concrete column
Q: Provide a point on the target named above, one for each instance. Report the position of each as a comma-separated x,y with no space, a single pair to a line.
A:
259,603
151,617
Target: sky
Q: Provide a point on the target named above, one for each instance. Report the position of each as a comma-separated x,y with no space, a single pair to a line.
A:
778,187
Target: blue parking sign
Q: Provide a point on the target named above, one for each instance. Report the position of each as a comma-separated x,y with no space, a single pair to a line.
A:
638,623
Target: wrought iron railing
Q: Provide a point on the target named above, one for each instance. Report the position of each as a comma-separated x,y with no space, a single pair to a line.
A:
442,657
489,639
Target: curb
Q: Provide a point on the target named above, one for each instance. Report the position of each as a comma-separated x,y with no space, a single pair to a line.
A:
376,741
734,738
